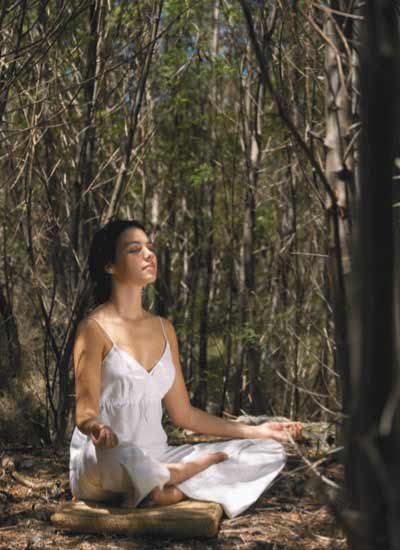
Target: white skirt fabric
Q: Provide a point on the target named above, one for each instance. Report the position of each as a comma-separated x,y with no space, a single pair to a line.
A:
235,483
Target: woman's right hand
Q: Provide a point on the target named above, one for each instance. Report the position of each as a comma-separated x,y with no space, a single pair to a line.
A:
103,436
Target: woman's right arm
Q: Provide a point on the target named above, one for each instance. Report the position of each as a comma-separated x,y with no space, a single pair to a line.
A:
88,352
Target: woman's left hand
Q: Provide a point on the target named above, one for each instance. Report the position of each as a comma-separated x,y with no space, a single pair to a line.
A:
278,430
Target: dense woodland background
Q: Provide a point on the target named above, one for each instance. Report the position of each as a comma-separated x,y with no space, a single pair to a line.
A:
233,130
160,112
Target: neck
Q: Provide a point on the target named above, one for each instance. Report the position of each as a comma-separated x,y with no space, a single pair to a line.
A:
126,301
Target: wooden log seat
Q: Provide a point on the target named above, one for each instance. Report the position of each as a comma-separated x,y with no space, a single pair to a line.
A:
186,519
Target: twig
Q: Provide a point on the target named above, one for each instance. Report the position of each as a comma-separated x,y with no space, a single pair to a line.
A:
313,466
32,484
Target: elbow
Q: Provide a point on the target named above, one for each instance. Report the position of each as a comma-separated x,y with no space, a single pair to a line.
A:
178,422
82,417
80,423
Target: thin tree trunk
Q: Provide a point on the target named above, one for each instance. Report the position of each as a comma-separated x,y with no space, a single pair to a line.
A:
227,344
11,359
339,175
201,395
249,351
80,204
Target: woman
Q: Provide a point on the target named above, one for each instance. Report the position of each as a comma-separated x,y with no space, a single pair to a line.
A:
126,362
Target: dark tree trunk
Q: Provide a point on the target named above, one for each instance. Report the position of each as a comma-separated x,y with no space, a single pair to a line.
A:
11,356
375,424
209,192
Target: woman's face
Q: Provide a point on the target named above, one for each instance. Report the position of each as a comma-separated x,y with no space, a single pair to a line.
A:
135,259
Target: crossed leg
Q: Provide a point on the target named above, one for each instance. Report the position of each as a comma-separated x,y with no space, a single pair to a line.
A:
170,494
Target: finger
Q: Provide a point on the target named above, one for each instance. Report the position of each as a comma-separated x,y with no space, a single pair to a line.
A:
103,438
110,439
96,437
295,431
97,442
293,427
98,431
107,439
291,433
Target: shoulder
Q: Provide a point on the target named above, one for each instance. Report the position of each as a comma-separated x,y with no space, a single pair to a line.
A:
166,322
169,327
94,320
87,324
88,329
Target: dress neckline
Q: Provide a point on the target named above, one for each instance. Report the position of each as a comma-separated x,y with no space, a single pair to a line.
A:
128,354
135,361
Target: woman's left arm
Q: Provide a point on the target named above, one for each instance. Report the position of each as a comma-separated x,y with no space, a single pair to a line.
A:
184,415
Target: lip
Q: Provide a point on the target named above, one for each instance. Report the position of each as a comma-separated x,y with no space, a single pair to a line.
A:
153,267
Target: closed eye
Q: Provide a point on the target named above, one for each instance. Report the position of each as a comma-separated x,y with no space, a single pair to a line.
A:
135,250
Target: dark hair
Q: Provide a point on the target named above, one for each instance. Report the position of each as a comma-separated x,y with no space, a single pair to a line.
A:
102,252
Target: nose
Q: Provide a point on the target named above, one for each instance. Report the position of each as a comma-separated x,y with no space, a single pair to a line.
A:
148,253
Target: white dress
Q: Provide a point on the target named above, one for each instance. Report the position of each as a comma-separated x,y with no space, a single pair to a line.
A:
130,402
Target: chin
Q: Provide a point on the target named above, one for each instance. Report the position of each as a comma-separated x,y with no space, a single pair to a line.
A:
151,277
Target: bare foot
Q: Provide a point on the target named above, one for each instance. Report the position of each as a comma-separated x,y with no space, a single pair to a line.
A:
179,472
184,470
163,497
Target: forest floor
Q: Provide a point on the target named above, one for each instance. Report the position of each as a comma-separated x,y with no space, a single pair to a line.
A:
288,516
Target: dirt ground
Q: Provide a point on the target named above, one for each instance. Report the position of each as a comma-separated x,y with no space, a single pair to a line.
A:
289,515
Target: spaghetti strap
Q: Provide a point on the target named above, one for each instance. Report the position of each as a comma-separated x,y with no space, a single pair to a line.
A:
103,329
163,329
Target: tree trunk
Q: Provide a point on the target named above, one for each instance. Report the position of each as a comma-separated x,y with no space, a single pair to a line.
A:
201,394
11,359
339,174
249,350
80,241
374,441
